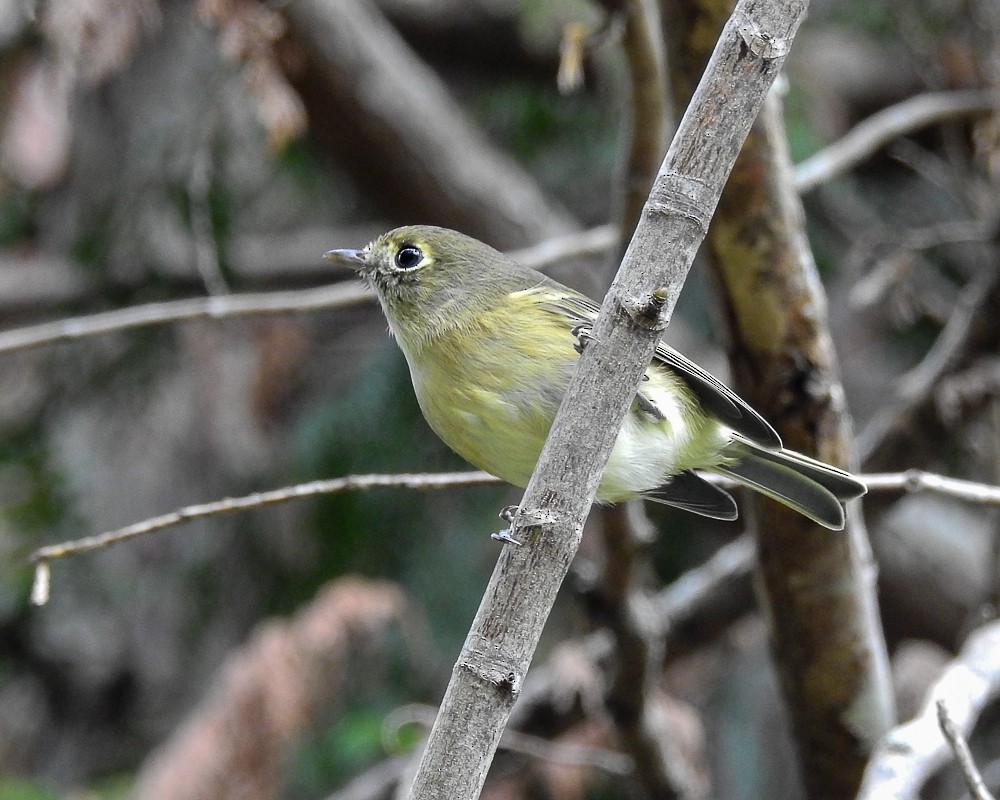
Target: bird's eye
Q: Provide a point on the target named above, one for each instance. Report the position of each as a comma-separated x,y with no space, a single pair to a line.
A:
408,257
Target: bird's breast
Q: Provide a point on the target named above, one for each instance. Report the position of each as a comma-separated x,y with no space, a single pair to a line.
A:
490,391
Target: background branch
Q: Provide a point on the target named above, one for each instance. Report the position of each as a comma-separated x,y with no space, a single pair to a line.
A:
399,127
542,256
257,500
819,590
911,753
960,747
867,137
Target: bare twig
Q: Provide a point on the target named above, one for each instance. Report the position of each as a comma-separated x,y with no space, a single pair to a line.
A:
43,555
633,696
570,754
375,783
867,137
542,256
873,285
960,747
217,307
916,480
557,249
951,342
729,564
646,129
705,599
911,753
934,167
525,743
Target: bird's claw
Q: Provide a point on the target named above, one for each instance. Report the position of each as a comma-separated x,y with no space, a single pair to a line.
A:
582,335
507,515
505,537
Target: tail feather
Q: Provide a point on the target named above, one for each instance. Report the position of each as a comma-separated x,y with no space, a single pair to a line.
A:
841,484
812,488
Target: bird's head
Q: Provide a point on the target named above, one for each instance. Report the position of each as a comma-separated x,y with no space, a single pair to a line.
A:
425,275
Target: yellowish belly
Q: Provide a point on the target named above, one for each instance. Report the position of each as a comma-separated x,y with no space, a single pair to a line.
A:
495,410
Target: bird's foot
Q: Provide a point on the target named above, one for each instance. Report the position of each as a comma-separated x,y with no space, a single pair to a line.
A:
507,515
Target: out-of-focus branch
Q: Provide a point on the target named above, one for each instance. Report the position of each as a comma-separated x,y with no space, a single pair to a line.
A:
542,256
633,698
647,110
867,137
377,782
272,690
397,129
203,236
899,434
911,753
881,273
526,743
703,601
215,307
819,589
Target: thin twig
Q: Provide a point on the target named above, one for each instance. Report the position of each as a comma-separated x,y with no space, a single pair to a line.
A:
564,753
890,123
870,290
596,241
946,350
707,598
554,250
909,481
525,743
217,307
973,780
43,555
916,480
888,438
375,782
228,505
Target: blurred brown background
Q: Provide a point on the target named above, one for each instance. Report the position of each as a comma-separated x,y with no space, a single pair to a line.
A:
152,151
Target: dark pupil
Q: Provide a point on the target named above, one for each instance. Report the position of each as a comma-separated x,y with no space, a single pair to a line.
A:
408,257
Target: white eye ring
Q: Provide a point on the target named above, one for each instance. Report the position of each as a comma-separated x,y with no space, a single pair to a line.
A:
408,257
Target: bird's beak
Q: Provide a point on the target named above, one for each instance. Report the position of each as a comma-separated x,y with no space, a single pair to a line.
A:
355,259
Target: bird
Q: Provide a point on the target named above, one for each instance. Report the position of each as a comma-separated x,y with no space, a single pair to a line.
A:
491,347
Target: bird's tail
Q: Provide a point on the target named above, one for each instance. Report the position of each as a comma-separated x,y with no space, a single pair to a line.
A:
811,487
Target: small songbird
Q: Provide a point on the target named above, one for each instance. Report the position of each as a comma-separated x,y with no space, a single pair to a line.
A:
491,347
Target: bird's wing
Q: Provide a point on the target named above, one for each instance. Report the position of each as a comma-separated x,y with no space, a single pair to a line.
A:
691,492
714,396
731,409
